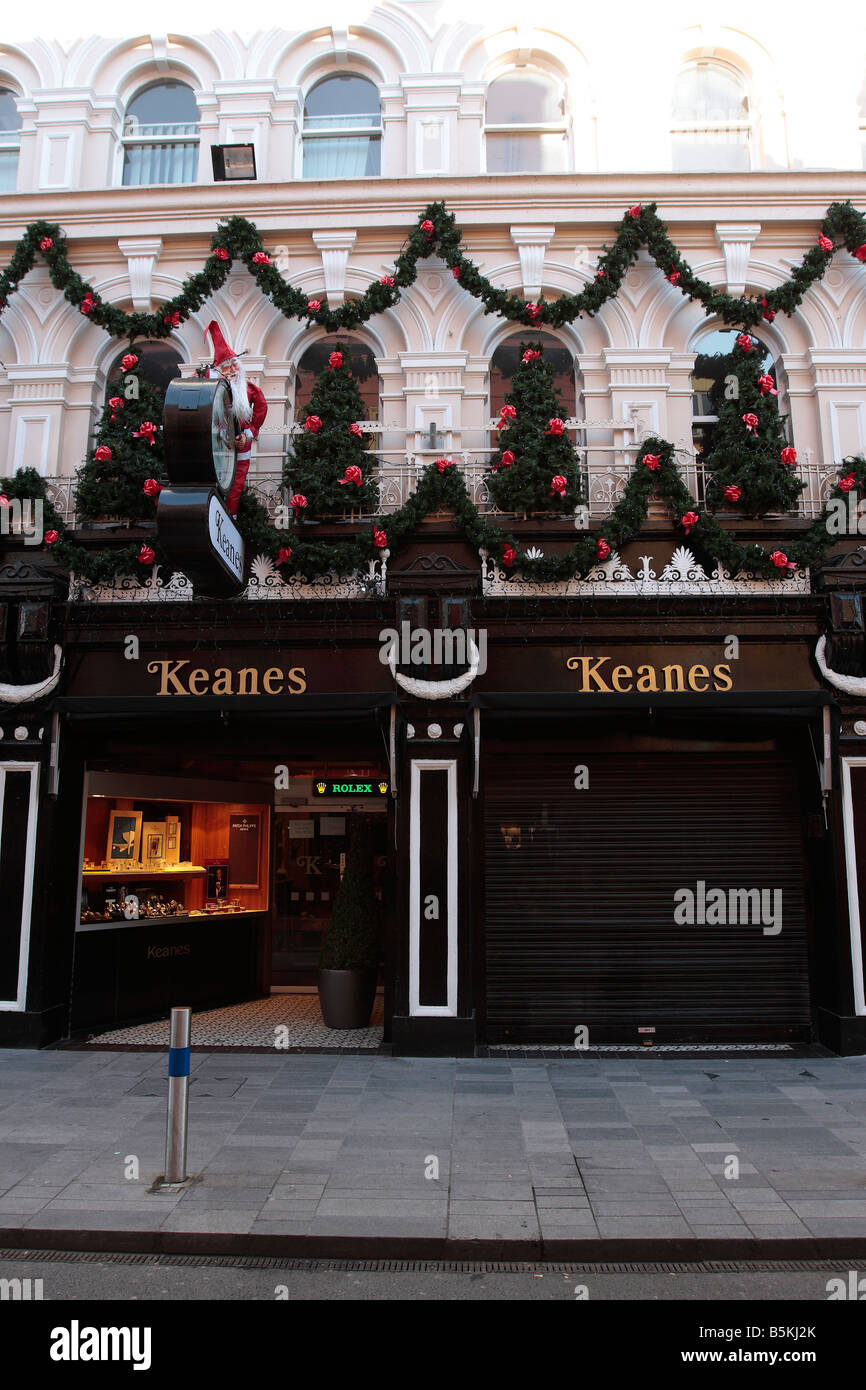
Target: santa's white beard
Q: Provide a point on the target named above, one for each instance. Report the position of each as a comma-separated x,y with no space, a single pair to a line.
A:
241,407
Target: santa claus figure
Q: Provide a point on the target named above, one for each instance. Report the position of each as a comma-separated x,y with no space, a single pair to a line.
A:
249,407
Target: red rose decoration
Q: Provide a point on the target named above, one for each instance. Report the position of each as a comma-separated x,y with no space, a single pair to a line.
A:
652,461
675,277
555,426
380,540
688,521
87,303
442,464
102,454
781,561
825,243
455,271
221,253
733,493
129,361
262,258
846,484
750,421
151,487
313,423
51,537
298,502
116,404
173,319
767,386
506,414
507,459
558,484
602,549
533,310
147,430
387,280
860,252
335,360
313,306
427,227
352,475
601,275
284,556
745,343
146,555
46,243
768,314
4,500
356,430
635,211
530,355
509,555
788,455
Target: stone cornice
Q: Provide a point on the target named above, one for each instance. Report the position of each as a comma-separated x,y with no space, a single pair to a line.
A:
787,200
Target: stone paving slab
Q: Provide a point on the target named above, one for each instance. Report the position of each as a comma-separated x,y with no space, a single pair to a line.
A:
509,1150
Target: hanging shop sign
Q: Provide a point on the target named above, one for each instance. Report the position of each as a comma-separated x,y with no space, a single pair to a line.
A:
195,529
376,788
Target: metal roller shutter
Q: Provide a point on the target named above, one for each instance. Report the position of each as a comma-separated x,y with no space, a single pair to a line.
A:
579,897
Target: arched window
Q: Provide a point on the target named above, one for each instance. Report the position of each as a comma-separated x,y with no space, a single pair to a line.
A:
158,363
10,141
712,365
506,360
356,356
525,124
160,135
342,128
711,123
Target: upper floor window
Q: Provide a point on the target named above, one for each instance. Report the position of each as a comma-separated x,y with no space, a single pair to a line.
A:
10,141
342,128
506,360
711,123
360,362
712,367
158,363
525,124
160,135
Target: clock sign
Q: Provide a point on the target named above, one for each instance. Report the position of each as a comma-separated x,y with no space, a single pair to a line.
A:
195,528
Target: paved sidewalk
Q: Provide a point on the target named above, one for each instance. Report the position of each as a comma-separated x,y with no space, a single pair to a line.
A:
531,1154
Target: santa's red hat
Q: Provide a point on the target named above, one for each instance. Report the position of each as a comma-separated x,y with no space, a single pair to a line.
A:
221,350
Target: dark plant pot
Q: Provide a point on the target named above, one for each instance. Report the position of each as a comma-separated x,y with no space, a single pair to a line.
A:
346,997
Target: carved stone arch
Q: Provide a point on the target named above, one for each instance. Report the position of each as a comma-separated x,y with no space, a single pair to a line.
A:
124,69
486,55
852,330
19,73
22,330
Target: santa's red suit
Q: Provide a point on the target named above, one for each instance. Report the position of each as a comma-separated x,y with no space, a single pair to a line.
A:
249,418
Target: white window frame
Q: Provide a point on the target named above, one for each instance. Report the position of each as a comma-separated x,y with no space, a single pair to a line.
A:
10,141
695,127
19,1003
179,133
374,132
853,893
562,127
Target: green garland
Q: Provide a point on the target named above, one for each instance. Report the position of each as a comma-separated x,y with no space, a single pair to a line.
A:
239,239
437,231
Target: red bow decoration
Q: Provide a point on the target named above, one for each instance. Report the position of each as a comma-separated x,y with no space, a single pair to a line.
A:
558,484
313,423
356,430
51,537
781,561
335,360
129,361
379,538
284,555
788,455
116,404
102,454
442,464
146,555
151,487
652,462
530,355
745,343
221,253
46,243
506,414
846,484
555,426
688,521
313,306
767,386
147,430
353,475
509,554
750,421
261,258
602,549
733,493
298,502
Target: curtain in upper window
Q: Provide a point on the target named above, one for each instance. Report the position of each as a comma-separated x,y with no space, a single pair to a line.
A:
342,128
525,125
711,122
160,135
10,141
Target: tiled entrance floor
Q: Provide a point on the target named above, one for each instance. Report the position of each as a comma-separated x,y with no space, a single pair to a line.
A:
256,1024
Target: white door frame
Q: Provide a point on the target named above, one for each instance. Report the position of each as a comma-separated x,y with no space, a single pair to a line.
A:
416,1008
19,1003
853,890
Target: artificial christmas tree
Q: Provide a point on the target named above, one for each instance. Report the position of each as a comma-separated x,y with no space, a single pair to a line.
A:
128,451
536,467
331,466
750,464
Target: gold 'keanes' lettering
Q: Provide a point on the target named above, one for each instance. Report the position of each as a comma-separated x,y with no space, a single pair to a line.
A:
722,677
667,672
297,679
243,682
621,673
273,673
696,673
222,684
168,675
200,674
646,680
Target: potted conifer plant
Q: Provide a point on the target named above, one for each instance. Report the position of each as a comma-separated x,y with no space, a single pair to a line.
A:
349,958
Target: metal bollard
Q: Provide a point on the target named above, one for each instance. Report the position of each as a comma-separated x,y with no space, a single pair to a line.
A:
178,1095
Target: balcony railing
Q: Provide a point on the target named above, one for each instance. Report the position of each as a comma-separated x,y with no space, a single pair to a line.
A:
605,470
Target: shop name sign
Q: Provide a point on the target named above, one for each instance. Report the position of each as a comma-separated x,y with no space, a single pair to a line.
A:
602,675
345,786
226,539
182,678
